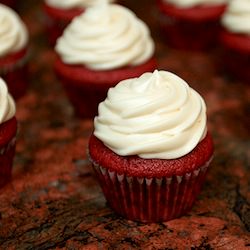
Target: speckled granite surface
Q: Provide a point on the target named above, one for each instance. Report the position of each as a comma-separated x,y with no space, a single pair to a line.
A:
54,200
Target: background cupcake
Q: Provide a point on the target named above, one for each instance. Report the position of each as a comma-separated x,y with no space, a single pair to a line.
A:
235,39
101,47
8,128
150,148
59,13
191,24
13,51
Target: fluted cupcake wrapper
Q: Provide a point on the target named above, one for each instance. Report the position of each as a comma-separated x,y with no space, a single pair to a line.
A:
14,66
16,76
150,199
56,20
6,159
196,30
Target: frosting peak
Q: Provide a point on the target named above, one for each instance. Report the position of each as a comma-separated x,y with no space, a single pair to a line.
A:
237,17
13,32
7,104
154,116
106,37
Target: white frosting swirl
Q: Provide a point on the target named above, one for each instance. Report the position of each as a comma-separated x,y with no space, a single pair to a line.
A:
13,32
69,4
106,37
7,104
192,3
237,17
154,116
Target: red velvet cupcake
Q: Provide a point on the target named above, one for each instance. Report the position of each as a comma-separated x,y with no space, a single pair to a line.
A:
8,129
235,39
150,148
191,25
59,13
13,51
93,59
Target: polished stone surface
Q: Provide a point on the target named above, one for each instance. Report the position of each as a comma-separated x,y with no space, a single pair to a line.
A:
54,200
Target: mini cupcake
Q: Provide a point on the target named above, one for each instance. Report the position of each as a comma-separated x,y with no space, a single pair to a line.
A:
150,148
59,13
13,51
235,39
191,24
101,47
8,129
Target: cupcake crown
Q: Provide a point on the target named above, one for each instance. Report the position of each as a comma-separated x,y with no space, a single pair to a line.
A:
154,116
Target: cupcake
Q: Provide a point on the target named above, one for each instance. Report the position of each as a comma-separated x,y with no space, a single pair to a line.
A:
150,148
59,14
235,39
191,24
8,129
101,47
13,51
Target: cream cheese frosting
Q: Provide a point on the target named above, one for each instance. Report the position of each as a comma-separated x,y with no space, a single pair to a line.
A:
69,4
7,104
106,37
237,17
192,3
13,32
154,116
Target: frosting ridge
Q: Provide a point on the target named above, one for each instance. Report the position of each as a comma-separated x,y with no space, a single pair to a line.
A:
13,32
106,37
237,17
7,104
154,116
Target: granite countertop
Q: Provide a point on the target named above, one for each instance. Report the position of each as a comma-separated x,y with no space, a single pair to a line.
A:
54,200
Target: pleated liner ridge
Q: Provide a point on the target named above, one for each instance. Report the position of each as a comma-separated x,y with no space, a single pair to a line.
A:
150,200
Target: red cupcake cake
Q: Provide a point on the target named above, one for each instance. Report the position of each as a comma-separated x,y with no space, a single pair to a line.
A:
13,51
235,39
8,129
150,148
113,45
191,25
59,13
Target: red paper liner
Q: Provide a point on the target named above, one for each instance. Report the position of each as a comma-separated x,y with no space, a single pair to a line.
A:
86,88
150,199
14,70
7,149
6,160
57,19
191,28
235,58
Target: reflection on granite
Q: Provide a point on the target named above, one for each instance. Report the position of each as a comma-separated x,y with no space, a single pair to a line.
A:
54,200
